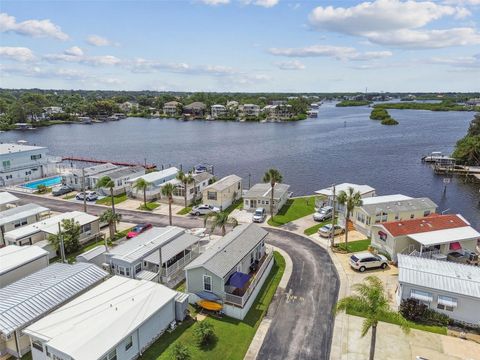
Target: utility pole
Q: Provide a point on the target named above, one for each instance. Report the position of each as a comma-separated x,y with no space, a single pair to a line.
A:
62,247
249,177
83,191
332,231
160,265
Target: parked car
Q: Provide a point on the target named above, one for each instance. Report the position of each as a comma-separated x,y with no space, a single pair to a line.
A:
366,260
138,229
323,214
259,215
90,196
326,230
203,210
61,190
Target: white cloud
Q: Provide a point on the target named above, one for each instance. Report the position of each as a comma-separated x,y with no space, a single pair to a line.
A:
76,55
462,2
33,28
215,2
21,54
263,3
74,51
96,40
337,52
458,62
290,65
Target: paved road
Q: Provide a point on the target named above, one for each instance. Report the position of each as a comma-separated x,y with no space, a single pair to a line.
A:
302,321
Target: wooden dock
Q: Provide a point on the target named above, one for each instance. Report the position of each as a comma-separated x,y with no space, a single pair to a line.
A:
119,163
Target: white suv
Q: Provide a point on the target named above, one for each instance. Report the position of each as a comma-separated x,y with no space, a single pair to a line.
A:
366,260
203,210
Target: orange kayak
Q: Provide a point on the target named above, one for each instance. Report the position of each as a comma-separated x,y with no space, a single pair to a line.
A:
210,305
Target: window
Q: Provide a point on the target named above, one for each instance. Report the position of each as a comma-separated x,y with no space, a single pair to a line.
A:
19,223
37,345
426,213
129,343
211,195
423,296
36,157
238,188
446,303
121,270
207,283
397,216
252,258
6,164
138,268
86,228
112,355
412,216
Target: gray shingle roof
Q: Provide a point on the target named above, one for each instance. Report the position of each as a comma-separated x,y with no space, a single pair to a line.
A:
400,206
264,189
27,299
227,252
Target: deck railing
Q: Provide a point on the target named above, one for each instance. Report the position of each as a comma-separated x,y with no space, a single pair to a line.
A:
178,265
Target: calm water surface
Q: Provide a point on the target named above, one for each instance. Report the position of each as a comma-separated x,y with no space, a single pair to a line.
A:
342,145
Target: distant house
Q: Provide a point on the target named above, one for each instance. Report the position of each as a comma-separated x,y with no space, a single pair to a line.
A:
156,180
120,177
379,209
195,110
40,293
249,110
74,177
280,111
194,190
232,105
172,108
140,257
16,262
127,106
223,192
118,319
7,200
260,195
218,111
232,271
446,287
433,236
19,216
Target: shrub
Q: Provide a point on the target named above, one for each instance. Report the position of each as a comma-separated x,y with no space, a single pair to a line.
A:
389,121
379,114
41,189
180,352
414,310
204,333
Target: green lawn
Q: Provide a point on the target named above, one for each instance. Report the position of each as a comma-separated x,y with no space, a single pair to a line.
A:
69,196
185,211
314,229
238,204
107,200
181,286
233,336
355,246
150,206
294,209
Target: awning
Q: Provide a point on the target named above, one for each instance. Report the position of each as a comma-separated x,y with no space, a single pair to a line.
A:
447,301
455,246
238,279
207,296
421,295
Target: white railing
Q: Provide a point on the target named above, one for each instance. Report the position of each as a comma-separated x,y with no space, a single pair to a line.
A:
424,254
178,265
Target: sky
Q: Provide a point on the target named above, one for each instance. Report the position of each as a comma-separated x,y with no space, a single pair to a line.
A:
241,45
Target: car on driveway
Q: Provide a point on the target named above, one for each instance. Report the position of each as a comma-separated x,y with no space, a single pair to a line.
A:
259,215
138,229
203,210
323,214
366,260
326,230
61,190
90,196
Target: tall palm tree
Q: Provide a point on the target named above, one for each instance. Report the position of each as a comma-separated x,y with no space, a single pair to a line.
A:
186,179
350,199
273,177
142,185
111,219
220,220
107,182
167,190
370,299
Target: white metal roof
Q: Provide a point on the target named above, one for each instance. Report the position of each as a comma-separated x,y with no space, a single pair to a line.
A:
91,325
445,236
173,248
363,189
154,176
264,190
385,198
49,225
224,183
441,275
21,212
14,256
92,253
27,299
7,198
15,148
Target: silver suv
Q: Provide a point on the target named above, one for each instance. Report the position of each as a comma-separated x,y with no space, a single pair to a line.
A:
259,215
366,260
323,214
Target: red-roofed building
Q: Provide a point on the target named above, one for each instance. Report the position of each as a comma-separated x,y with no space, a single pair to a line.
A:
433,236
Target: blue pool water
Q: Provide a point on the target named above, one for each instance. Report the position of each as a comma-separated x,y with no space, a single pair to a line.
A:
47,182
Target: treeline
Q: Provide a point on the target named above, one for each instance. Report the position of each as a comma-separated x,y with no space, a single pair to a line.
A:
467,149
383,115
445,105
346,103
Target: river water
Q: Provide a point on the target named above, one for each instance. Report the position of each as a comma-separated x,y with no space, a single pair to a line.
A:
341,145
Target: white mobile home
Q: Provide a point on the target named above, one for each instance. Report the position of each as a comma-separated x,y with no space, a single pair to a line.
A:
194,190
118,319
8,200
120,177
75,177
34,296
223,192
156,180
17,262
260,195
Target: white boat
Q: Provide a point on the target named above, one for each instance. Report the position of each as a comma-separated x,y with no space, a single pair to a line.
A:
436,156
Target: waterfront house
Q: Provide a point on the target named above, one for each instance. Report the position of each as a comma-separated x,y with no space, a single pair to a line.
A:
232,105
39,231
223,192
232,270
127,106
194,190
19,216
120,177
433,236
140,257
31,298
16,262
218,111
446,287
156,180
118,319
172,108
195,110
260,195
249,110
74,177
7,200
278,112
51,110
379,209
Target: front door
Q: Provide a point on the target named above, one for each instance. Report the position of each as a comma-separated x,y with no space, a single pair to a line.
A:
253,204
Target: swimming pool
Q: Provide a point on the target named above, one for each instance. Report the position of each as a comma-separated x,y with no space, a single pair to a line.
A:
33,185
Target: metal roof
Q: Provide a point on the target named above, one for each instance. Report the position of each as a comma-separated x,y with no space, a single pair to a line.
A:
445,236
94,170
363,189
411,204
27,299
202,176
224,183
121,172
440,275
154,176
95,322
7,198
173,248
264,190
227,252
92,253
16,148
21,212
384,199
14,256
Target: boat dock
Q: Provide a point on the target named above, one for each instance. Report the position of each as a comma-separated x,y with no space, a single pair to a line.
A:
457,169
96,161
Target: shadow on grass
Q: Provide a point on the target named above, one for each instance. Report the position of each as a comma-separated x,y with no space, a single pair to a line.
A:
212,343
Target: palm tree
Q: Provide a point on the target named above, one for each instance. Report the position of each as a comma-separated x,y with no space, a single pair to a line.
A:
106,182
142,185
273,177
350,200
185,179
220,220
371,301
111,219
167,190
